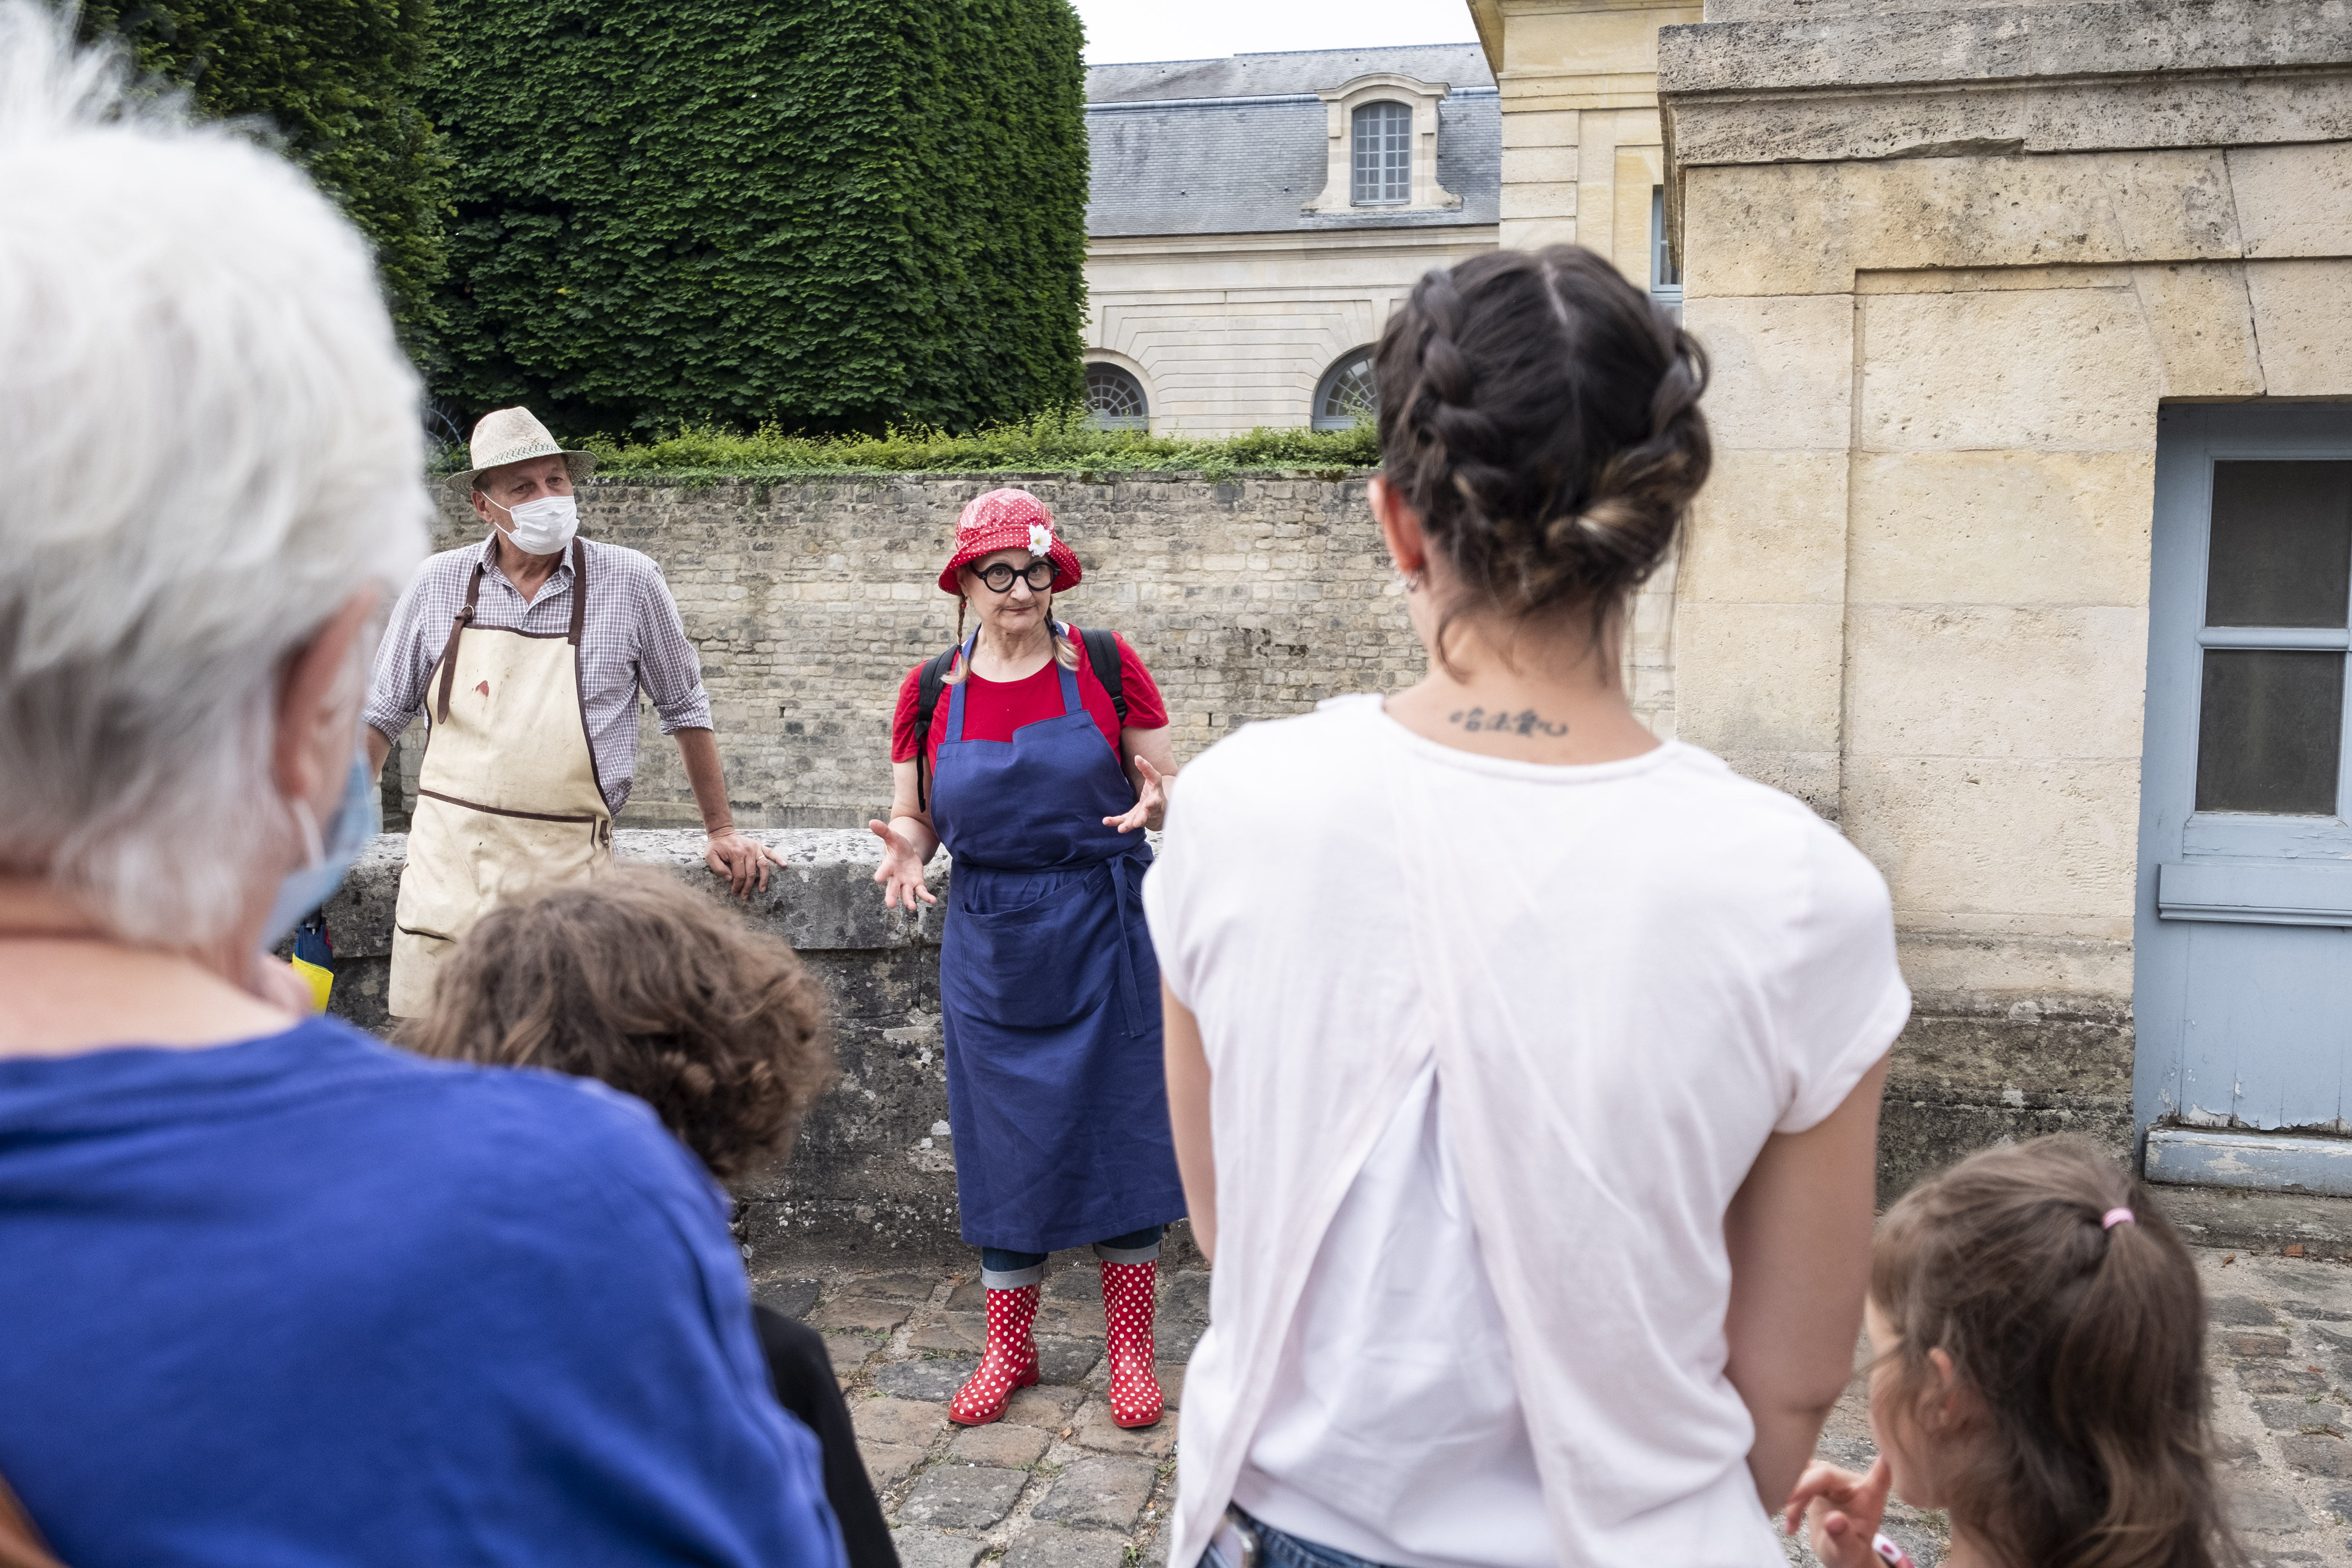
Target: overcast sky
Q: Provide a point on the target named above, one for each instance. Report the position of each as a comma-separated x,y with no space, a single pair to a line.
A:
1202,29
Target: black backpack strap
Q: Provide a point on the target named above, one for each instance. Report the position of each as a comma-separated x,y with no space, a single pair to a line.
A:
928,687
1102,652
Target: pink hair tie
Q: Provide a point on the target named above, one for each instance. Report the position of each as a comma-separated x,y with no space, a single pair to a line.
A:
1889,1551
2113,1217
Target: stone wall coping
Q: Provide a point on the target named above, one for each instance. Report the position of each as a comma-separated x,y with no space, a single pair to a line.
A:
2007,81
2004,43
823,896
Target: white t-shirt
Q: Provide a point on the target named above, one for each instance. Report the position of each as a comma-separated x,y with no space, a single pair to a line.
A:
1615,981
1393,1429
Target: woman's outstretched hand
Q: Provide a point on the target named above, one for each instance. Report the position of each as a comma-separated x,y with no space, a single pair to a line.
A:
901,873
1150,801
1841,1511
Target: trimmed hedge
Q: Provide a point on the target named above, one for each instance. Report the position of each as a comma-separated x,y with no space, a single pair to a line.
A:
1057,442
340,82
831,213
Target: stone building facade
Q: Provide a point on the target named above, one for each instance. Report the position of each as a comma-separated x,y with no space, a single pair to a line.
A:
2024,558
1584,152
1254,219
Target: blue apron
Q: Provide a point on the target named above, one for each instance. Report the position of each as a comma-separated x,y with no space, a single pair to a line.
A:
1057,1093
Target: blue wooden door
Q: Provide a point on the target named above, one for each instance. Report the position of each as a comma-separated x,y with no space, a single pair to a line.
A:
2243,931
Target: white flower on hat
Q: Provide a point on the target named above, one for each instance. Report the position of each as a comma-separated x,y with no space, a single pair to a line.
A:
1041,539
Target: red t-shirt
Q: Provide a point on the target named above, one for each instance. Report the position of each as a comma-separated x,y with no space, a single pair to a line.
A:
993,709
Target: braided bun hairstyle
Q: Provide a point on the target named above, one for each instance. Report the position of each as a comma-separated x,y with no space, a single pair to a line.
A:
1542,418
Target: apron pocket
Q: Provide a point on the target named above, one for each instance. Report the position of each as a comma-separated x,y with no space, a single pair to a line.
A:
1040,966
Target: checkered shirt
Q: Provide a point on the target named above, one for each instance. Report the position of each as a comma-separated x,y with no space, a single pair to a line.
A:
630,637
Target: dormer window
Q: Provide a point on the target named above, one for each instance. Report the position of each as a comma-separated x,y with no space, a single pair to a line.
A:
1381,130
1383,155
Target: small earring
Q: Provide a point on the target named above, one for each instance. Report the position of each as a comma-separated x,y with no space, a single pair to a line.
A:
1414,579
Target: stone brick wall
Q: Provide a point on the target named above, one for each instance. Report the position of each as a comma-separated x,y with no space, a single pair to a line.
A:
868,1171
1248,599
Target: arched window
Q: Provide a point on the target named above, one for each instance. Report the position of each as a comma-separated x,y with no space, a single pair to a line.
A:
1115,399
1347,392
1383,155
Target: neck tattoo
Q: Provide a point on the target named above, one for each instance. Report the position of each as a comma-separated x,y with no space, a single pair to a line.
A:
1527,722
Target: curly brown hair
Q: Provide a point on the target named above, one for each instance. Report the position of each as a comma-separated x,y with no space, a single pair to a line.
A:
639,981
1542,418
2084,1344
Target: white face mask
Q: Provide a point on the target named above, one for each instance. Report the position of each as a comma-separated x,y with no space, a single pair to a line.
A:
544,526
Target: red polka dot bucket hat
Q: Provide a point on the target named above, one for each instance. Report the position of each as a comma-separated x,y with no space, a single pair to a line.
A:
1009,520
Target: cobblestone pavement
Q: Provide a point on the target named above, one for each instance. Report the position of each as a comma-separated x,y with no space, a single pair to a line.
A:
1056,1485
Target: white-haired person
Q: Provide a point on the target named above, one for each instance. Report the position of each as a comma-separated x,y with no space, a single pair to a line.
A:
270,1292
526,653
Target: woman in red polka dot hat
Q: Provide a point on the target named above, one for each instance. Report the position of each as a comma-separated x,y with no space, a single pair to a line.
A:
1038,753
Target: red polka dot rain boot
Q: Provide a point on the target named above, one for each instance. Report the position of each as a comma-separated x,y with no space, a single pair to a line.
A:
1128,1307
1011,1362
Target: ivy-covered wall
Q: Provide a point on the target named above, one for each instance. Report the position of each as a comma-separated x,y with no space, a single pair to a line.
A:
340,83
829,214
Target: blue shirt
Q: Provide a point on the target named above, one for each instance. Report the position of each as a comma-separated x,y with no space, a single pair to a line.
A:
306,1300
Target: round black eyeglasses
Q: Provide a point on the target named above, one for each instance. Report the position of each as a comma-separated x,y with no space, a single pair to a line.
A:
998,577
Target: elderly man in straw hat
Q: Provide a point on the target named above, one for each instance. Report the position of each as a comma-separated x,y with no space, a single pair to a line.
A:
526,653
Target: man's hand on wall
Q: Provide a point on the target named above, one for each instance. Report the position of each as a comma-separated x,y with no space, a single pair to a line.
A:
743,861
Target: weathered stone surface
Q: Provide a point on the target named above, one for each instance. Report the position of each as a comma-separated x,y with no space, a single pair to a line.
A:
848,1352
963,1497
1174,1342
903,1286
861,1313
2292,1415
1082,1317
1184,1297
1045,1405
1097,1431
926,1378
1047,1547
2020,680
2007,528
966,1331
1248,598
2317,1455
920,1547
1784,369
792,1297
1752,45
1815,229
1108,1493
1845,81
888,1464
2075,372
888,1420
1062,1359
2263,1510
853,1180
1171,1382
1001,1445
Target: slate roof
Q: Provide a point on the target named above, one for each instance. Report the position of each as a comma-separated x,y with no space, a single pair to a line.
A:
1237,145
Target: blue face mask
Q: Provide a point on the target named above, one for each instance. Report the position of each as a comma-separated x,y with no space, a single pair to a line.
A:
359,818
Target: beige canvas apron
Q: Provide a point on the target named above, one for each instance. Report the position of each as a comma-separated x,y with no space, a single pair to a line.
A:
507,799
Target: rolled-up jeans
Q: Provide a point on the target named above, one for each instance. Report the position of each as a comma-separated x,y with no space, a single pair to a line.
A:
1277,1548
1003,1269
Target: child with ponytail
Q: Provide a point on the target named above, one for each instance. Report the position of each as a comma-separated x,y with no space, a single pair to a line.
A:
2037,1329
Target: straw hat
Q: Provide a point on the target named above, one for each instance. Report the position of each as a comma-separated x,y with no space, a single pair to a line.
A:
1009,519
511,436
